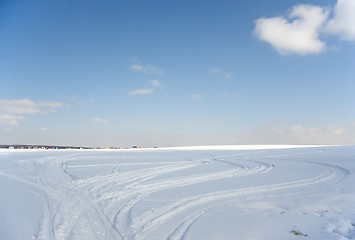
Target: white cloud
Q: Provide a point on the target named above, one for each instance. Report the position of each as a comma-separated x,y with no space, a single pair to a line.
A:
49,104
99,120
298,33
343,21
195,96
11,111
155,83
141,91
225,74
80,101
26,106
135,59
43,129
313,132
138,67
298,134
77,101
10,120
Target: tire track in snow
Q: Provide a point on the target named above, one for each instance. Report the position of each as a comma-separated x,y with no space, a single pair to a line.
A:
181,230
148,188
150,223
137,192
101,207
68,211
132,189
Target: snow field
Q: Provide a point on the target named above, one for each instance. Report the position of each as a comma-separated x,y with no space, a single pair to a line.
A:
248,192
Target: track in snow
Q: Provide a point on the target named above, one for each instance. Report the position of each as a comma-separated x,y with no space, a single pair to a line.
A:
130,195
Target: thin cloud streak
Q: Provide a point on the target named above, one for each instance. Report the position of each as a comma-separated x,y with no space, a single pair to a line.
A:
155,83
141,91
26,106
223,73
99,120
148,69
10,120
275,133
195,96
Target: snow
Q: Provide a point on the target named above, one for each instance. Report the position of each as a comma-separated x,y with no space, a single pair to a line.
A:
215,192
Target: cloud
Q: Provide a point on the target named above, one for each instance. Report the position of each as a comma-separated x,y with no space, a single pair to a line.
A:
155,83
43,129
195,96
225,94
10,120
314,132
138,67
298,33
49,104
80,101
343,21
145,91
26,106
275,133
11,111
225,74
141,91
99,120
135,59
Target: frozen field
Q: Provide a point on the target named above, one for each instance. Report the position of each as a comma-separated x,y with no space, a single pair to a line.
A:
246,193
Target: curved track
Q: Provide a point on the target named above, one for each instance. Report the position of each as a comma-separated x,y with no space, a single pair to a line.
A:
115,204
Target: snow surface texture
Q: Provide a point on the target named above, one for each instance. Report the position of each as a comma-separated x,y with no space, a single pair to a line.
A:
214,193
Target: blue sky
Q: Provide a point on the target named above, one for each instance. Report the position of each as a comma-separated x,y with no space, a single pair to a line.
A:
172,73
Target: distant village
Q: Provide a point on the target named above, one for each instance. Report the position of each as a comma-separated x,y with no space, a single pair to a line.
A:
40,147
50,147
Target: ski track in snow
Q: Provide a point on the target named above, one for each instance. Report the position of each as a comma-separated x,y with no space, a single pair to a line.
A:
101,206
